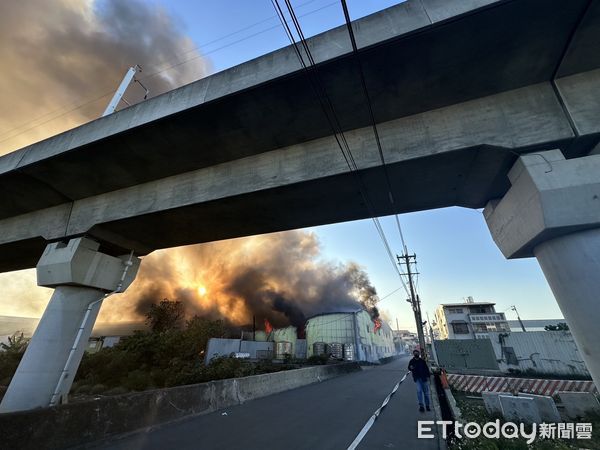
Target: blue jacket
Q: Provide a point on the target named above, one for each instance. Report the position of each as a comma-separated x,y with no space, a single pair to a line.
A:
419,369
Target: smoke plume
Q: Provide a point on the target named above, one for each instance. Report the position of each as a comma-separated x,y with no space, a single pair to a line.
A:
65,52
59,54
279,276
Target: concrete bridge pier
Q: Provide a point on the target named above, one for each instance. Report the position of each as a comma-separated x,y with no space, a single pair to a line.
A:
81,277
552,212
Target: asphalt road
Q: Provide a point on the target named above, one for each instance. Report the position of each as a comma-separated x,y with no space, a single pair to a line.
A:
327,415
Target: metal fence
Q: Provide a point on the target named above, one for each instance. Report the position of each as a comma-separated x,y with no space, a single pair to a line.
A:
475,384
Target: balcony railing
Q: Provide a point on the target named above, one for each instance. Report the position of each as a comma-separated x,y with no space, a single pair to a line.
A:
492,317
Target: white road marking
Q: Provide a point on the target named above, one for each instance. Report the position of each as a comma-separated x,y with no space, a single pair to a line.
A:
375,415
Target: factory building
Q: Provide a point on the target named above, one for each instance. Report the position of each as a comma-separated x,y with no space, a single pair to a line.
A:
352,336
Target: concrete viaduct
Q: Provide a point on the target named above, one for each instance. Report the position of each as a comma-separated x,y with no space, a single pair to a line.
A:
479,103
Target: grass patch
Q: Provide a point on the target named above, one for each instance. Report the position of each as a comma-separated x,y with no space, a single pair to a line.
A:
473,410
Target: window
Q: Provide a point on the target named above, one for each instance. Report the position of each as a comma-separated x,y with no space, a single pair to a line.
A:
503,327
460,328
455,310
479,309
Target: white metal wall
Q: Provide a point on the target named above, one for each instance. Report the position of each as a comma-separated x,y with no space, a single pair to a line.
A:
330,328
545,352
341,328
224,347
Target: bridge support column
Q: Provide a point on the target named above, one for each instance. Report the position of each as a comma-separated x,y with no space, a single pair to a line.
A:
82,278
552,212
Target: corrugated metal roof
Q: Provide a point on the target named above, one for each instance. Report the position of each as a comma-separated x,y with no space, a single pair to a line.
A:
534,323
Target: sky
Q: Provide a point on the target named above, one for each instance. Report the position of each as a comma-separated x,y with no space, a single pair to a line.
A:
181,41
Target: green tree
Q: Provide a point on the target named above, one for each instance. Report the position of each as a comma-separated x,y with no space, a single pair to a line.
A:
166,315
197,333
17,344
167,356
10,356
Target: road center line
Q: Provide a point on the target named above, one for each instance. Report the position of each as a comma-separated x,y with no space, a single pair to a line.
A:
375,415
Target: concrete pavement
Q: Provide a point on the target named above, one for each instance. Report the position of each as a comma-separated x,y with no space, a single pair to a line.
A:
327,415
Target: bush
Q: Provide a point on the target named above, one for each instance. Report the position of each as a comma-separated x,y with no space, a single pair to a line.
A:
166,358
82,389
137,380
474,411
116,391
97,389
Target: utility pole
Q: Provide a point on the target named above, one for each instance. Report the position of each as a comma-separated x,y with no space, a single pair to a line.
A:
514,308
414,300
431,337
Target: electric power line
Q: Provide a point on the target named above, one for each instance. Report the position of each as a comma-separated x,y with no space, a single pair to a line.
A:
369,104
200,55
390,294
157,72
332,118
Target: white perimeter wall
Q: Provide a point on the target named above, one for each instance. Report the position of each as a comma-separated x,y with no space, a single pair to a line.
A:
547,352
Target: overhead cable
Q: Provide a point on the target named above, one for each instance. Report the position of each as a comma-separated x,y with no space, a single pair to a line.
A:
332,118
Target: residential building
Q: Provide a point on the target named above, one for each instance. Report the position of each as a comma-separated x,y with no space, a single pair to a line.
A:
405,340
468,320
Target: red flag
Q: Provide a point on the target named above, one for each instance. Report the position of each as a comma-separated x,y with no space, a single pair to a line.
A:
268,327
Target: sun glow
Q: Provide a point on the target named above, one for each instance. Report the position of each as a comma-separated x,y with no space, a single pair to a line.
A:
201,291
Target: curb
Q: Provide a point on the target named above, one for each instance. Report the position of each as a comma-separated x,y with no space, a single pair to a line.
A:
84,423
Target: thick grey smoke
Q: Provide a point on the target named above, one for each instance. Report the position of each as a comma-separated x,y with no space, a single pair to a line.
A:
64,52
280,277
57,53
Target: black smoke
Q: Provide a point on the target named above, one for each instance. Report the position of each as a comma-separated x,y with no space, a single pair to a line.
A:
280,277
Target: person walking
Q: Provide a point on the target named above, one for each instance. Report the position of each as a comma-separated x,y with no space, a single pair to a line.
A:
420,372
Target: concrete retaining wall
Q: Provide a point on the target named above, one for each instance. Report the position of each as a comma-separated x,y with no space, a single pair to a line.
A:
79,423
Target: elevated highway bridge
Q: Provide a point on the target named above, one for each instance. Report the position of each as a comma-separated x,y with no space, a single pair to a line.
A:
458,89
477,102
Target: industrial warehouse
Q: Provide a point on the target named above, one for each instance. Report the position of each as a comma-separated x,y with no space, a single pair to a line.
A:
349,336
